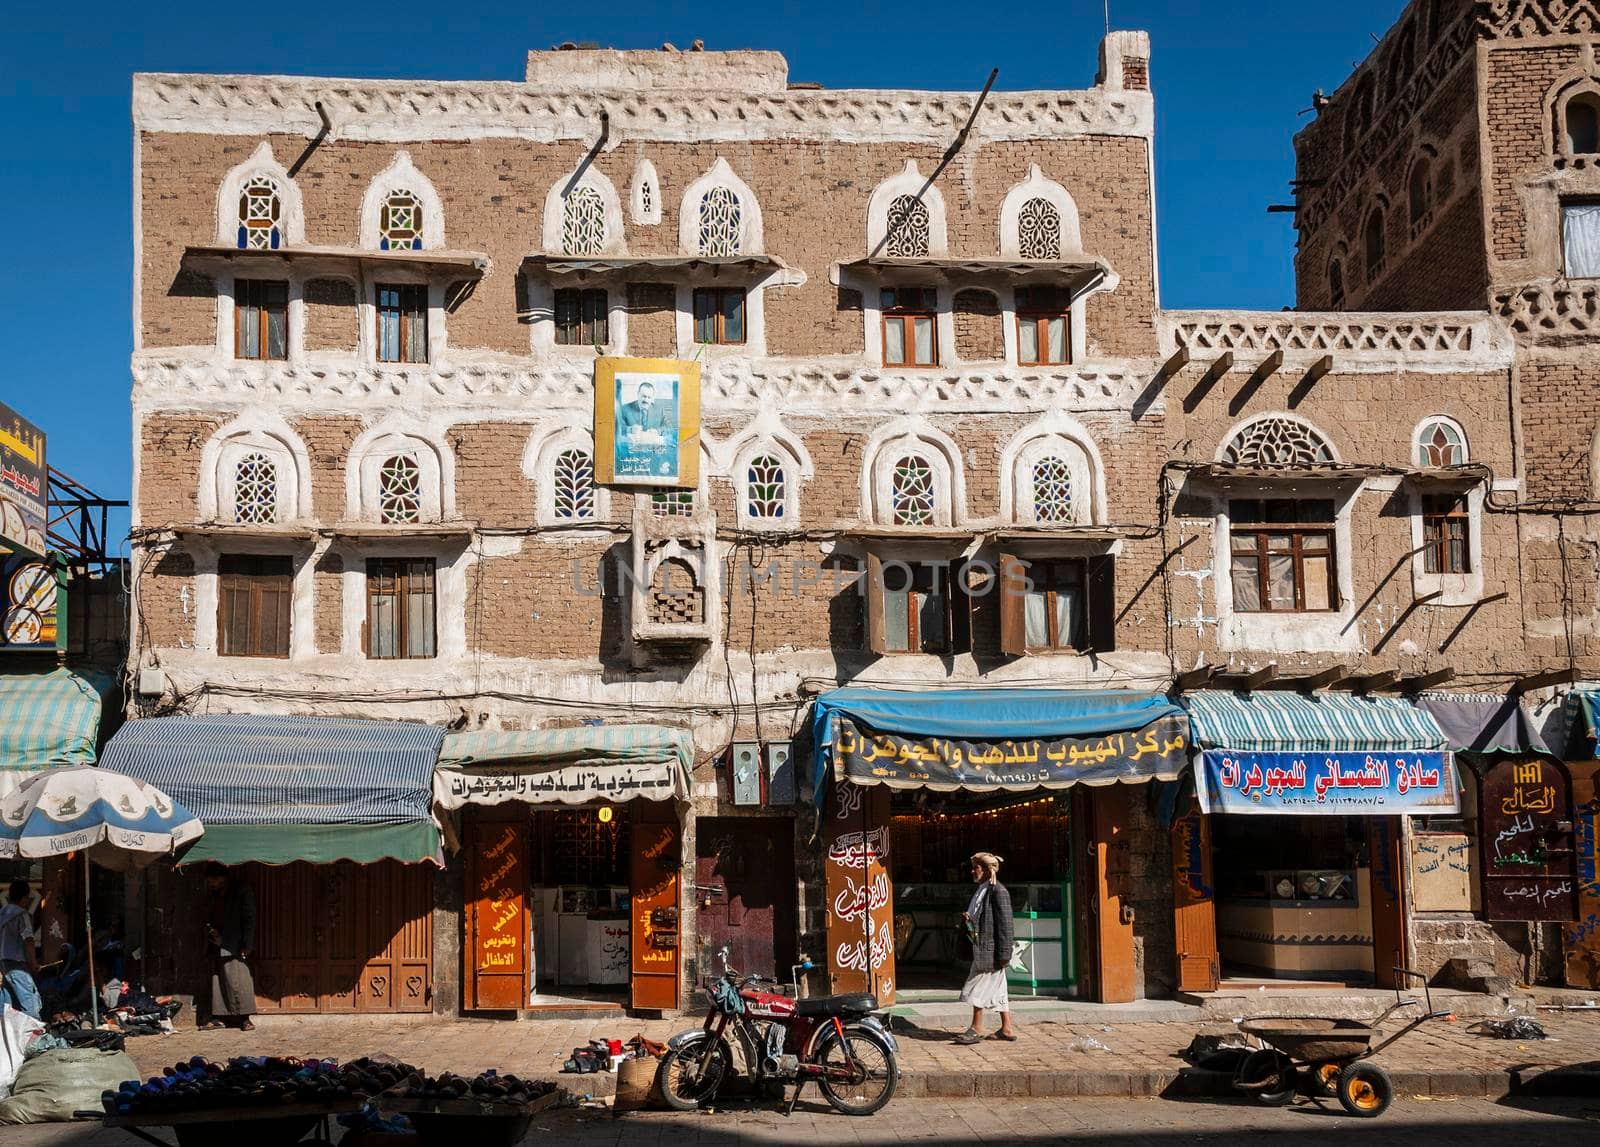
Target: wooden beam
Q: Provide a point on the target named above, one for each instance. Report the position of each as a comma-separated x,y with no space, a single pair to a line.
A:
1220,366
1369,682
1197,678
1266,368
1545,680
1180,359
1267,673
1316,370
1426,598
1426,680
1323,678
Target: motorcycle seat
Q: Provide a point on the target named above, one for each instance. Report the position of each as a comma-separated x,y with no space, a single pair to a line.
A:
858,1003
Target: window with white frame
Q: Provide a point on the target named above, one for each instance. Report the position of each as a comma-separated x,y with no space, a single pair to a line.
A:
260,207
400,222
720,222
255,489
397,477
1440,443
913,500
583,222
1052,483
254,481
766,488
908,235
646,193
572,490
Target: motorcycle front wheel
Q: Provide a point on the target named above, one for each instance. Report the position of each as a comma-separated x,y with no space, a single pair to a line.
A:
685,1084
873,1073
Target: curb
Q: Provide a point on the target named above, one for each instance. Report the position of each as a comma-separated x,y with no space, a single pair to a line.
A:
1195,1083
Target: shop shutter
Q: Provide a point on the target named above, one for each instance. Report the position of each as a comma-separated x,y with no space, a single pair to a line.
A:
872,589
1102,587
1012,592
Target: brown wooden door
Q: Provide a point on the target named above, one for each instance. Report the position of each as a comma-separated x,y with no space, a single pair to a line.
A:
1194,902
745,892
344,937
1388,899
655,867
1110,865
860,894
495,960
1581,939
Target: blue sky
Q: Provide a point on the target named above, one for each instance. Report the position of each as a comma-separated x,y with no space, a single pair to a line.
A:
1229,79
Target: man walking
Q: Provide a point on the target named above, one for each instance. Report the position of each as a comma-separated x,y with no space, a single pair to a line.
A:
18,958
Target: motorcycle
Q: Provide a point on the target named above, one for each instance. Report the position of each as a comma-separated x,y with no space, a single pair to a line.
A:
833,1041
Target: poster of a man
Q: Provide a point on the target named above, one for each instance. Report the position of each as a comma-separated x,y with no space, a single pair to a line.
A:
647,422
646,426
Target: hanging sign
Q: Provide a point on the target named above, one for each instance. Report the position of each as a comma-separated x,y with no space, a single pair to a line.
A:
866,757
28,603
567,784
1526,818
24,484
647,422
1330,784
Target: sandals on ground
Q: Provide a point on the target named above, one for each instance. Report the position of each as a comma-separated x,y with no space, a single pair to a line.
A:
248,1026
1009,1037
969,1037
210,1026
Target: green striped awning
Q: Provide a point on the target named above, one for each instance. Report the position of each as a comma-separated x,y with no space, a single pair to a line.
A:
48,719
1288,722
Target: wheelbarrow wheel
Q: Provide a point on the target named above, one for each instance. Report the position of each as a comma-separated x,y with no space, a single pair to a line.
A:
1365,1090
1269,1076
1325,1079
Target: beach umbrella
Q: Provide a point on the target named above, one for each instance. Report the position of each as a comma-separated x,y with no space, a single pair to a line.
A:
114,820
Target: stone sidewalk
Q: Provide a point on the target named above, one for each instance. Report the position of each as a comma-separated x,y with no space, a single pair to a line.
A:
1051,1058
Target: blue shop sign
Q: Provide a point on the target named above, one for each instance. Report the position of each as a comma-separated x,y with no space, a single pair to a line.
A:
1388,783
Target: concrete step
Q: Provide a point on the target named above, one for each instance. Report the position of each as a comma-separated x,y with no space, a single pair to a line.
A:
1342,1003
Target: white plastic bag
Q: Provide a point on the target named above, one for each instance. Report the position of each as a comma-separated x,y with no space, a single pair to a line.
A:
17,1030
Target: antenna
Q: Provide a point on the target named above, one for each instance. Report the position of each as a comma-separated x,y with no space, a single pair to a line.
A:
1107,5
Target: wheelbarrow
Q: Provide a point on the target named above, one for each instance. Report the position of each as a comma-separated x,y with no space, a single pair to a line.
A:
1327,1058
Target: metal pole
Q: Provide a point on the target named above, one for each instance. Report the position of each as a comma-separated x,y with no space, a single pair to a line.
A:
88,925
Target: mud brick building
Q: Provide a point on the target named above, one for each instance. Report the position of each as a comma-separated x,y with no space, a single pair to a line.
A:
961,487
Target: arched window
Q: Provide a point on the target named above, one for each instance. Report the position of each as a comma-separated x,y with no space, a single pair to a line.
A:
1401,61
1372,243
259,210
1277,442
766,490
400,490
1039,230
1051,479
1581,124
583,222
912,499
908,228
719,222
1419,193
255,489
572,486
646,197
400,222
1441,443
1336,282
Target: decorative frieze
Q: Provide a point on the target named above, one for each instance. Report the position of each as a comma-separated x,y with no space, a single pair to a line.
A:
1521,19
1550,312
1439,340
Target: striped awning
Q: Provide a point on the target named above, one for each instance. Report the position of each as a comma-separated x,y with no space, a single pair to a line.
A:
1288,722
568,766
47,720
292,788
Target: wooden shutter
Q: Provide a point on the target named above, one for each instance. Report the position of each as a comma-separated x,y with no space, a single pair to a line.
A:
959,605
1388,900
1110,855
654,868
1101,585
872,588
1013,594
1194,901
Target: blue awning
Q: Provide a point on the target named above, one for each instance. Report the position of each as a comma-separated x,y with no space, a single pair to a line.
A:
48,720
1287,722
288,772
1036,733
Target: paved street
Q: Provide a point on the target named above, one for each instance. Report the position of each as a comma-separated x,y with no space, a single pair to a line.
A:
1460,1123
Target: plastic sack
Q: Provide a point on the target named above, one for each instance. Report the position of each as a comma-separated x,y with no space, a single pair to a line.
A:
50,1087
17,1030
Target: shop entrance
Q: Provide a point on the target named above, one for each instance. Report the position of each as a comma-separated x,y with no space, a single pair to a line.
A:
745,894
932,835
578,892
1308,898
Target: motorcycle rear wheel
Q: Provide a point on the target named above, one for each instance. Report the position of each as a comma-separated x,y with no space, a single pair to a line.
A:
878,1073
683,1085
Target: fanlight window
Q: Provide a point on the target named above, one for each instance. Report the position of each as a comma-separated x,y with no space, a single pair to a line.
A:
259,209
766,488
400,490
583,222
720,223
908,229
572,484
255,490
1052,491
1440,444
1039,230
400,222
1277,442
911,496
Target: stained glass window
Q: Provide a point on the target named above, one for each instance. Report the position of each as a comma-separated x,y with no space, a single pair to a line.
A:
911,496
673,503
1440,444
572,485
720,222
400,222
766,487
255,490
400,490
583,222
1039,230
1052,491
1277,442
907,233
259,209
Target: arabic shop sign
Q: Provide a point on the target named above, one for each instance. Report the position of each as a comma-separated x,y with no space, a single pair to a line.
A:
24,483
569,784
1332,784
1159,750
1526,813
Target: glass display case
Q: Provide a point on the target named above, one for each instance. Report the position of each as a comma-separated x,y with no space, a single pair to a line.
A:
1308,884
